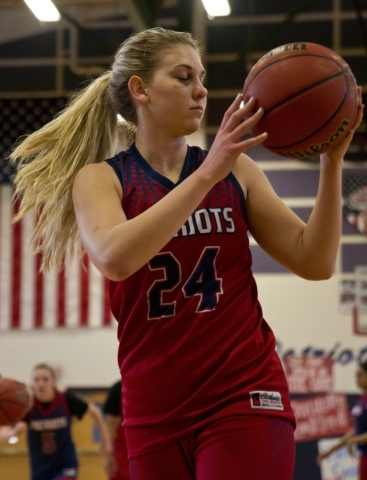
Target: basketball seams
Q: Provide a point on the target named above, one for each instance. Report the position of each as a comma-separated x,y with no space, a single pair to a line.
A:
6,416
15,401
8,408
306,89
290,57
329,119
309,96
10,389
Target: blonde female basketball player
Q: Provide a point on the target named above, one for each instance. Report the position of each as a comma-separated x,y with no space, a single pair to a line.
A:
204,393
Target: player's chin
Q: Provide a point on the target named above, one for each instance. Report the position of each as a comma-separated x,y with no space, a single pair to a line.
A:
196,115
192,126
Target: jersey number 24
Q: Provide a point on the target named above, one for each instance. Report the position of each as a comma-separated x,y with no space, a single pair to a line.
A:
202,282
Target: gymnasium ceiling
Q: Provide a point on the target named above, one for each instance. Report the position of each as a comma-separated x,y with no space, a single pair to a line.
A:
91,30
66,3
52,60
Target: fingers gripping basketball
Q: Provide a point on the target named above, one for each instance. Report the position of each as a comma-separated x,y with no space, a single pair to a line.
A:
309,95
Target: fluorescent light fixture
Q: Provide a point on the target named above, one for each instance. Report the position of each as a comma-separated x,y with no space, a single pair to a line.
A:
217,8
44,10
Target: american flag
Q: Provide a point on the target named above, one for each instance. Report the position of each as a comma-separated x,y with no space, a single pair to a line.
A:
73,297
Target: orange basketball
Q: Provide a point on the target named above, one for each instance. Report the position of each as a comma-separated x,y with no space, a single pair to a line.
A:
15,401
309,96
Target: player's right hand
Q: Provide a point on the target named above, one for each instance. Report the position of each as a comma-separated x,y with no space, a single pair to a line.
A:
228,143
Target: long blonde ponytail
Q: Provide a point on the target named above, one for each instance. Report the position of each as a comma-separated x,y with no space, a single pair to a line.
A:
87,131
48,160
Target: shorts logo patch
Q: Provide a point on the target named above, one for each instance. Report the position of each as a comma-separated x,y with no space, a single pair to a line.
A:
268,400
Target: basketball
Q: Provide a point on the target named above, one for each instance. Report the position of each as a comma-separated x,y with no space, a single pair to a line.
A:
15,401
309,96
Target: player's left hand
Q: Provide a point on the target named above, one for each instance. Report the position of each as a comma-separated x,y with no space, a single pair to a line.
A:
338,152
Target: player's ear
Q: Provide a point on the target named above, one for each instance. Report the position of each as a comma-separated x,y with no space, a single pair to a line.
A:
137,89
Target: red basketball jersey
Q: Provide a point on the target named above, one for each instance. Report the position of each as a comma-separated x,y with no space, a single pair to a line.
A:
193,342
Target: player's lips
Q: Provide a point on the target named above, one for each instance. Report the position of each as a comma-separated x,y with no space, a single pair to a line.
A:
198,107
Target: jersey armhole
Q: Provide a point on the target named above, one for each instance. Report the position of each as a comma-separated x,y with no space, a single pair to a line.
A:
113,163
239,190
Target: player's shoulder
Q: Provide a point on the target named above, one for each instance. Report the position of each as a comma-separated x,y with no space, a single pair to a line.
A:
246,162
95,169
246,171
95,175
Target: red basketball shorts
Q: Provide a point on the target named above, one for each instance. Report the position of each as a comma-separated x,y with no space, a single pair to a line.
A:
363,467
236,448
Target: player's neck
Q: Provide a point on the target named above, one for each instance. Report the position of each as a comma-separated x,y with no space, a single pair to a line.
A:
166,157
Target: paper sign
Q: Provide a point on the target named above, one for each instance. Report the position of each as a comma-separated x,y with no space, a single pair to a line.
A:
309,374
321,416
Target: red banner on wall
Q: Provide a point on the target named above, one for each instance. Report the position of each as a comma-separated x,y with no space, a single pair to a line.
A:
309,374
320,417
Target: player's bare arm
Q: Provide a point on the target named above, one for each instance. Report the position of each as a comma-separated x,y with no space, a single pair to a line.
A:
308,250
119,248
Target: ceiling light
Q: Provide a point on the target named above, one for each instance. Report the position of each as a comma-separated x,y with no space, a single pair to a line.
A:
44,10
217,8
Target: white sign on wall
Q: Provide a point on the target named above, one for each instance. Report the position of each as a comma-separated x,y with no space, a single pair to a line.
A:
339,465
309,374
321,416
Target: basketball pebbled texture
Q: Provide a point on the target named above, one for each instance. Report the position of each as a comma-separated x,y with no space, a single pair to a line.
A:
309,96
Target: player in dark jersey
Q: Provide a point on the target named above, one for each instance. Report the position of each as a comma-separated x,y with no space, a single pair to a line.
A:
356,437
117,467
204,393
48,425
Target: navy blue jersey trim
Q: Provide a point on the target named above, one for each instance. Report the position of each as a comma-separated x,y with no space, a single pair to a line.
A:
192,162
112,162
158,177
239,189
